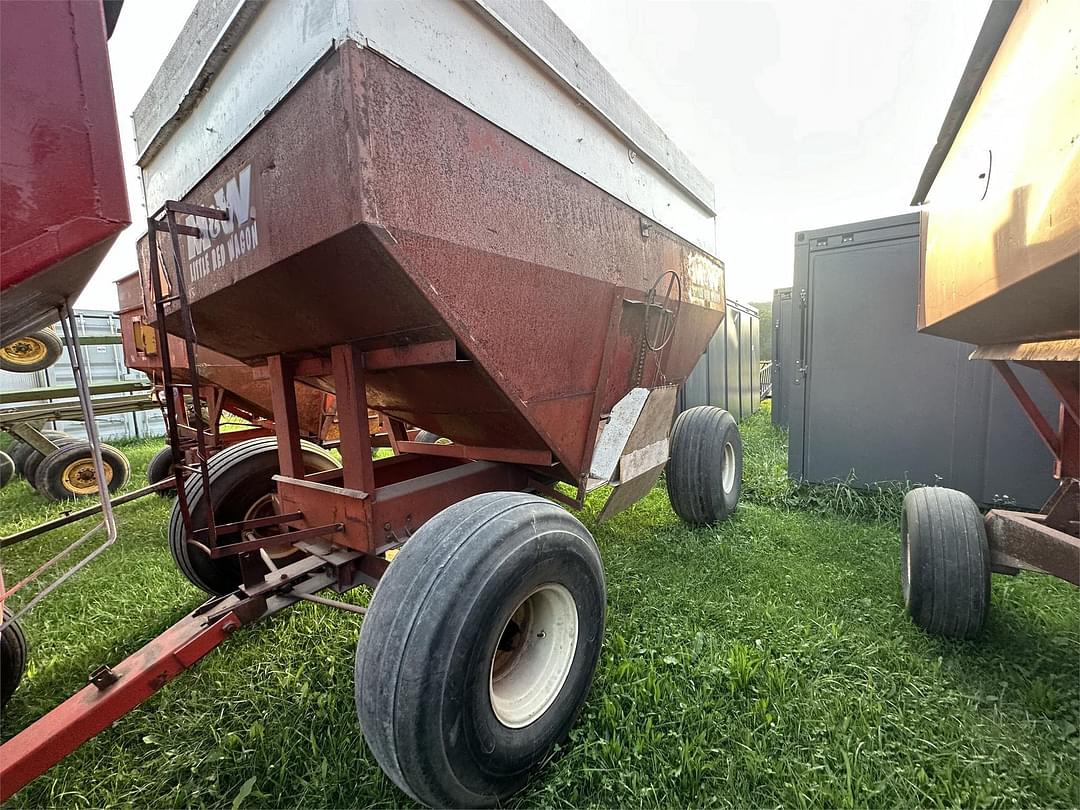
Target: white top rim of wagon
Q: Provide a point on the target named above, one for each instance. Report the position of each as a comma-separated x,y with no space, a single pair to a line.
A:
534,656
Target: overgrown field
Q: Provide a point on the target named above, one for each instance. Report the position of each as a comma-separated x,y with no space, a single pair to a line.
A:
765,662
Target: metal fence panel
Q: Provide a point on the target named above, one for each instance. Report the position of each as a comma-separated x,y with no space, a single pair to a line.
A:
727,373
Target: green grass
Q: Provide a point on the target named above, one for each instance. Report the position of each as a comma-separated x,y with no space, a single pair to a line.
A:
765,662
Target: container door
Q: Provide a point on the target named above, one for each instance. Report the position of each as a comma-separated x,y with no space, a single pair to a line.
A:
783,357
879,400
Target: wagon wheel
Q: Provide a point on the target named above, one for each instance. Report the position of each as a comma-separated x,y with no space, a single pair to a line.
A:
12,656
7,469
479,647
704,475
241,488
70,471
33,352
665,324
33,459
160,468
21,452
944,562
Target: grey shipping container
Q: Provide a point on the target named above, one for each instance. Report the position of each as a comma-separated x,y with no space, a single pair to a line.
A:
874,400
783,359
727,373
104,364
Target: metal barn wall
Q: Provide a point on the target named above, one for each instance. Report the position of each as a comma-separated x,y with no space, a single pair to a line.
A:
874,400
783,365
104,364
727,373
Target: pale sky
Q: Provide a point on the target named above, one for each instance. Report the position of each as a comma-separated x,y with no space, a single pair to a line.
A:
804,114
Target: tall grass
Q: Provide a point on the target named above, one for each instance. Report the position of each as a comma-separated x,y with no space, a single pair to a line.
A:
765,480
763,662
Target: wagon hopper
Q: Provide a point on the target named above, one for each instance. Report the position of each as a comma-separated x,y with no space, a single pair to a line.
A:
451,214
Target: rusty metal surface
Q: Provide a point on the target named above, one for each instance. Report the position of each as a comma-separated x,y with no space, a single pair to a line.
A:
627,494
62,187
1042,351
1022,541
373,209
246,388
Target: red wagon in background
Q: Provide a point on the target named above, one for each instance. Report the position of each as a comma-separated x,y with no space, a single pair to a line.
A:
62,204
1001,270
62,190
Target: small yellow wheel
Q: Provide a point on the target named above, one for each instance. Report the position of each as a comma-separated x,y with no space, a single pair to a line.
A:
33,352
80,477
69,472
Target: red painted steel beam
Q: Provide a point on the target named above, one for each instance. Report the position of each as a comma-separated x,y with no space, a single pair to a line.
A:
539,458
286,419
407,505
348,362
1034,415
416,354
1068,463
1068,391
91,710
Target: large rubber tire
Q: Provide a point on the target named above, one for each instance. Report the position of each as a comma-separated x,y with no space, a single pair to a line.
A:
160,468
704,475
33,352
7,469
34,458
12,658
239,476
427,437
20,451
426,657
68,472
944,562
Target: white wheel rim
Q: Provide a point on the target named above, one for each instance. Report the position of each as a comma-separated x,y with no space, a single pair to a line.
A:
535,653
728,479
266,506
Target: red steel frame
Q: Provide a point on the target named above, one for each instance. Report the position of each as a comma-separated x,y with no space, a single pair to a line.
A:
114,692
1048,542
345,519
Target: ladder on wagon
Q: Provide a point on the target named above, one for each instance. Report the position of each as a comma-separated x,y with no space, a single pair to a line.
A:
164,292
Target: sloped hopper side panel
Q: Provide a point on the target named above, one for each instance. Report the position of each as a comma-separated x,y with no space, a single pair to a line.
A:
370,207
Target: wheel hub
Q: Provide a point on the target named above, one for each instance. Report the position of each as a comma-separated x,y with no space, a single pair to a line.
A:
267,506
728,480
80,477
24,351
534,655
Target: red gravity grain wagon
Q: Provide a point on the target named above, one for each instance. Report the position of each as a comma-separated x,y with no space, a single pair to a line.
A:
449,213
1001,270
